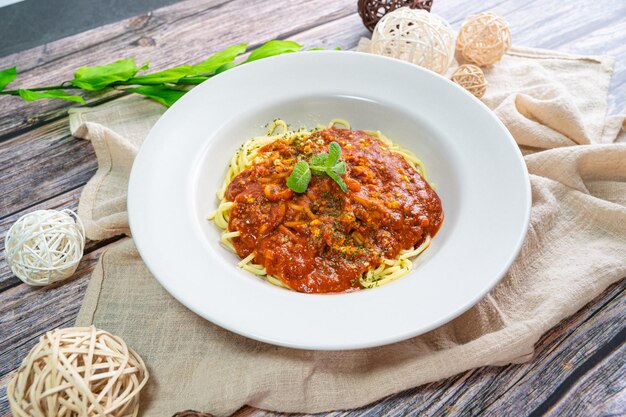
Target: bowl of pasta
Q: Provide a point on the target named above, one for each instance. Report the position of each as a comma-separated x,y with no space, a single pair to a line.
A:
305,201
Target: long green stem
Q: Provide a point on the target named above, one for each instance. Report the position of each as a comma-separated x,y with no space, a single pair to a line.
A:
53,87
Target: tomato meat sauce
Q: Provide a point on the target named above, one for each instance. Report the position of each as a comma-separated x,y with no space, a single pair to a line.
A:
323,240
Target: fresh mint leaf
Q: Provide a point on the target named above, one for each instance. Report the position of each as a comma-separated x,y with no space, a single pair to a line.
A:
7,76
300,177
334,153
172,76
272,48
29,95
338,180
99,77
339,168
162,93
220,59
318,163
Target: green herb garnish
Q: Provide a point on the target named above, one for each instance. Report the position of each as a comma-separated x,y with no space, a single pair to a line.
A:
320,164
300,177
166,86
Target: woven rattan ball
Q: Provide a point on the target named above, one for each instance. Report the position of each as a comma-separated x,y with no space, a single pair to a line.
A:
471,78
78,372
483,39
45,246
371,11
415,36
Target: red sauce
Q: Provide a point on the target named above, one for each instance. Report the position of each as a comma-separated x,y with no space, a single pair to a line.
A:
323,240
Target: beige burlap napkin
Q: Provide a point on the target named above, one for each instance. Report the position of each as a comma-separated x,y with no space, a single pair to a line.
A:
555,106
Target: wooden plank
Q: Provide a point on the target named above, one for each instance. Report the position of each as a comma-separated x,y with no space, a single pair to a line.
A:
167,37
26,311
601,391
517,389
43,163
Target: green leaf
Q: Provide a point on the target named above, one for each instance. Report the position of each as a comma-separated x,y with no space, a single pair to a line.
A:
193,80
338,180
339,168
6,76
171,75
30,95
225,67
300,177
272,48
334,153
318,163
219,59
164,94
99,77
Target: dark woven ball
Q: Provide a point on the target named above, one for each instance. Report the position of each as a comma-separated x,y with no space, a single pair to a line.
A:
191,413
371,11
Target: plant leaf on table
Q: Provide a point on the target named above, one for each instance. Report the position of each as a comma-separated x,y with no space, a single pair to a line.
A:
29,95
99,77
7,76
165,87
273,48
164,94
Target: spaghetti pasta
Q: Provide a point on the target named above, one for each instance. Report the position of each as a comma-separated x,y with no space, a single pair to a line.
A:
378,272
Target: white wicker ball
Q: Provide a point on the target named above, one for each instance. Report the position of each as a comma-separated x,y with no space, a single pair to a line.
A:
45,246
415,36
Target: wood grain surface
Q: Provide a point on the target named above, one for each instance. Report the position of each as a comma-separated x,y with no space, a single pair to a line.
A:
580,366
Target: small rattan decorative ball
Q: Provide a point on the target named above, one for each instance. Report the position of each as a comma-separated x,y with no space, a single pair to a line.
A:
78,372
371,11
45,246
471,78
415,36
483,39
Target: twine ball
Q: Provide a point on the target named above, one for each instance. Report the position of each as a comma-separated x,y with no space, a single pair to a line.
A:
371,11
415,36
483,39
471,78
78,372
45,246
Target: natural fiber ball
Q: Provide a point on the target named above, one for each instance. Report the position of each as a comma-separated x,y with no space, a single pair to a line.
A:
78,372
415,36
471,78
483,39
45,246
371,11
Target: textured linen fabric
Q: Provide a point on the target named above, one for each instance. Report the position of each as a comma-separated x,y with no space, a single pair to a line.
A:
554,105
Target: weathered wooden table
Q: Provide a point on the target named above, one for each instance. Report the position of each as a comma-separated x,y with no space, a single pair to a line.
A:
580,365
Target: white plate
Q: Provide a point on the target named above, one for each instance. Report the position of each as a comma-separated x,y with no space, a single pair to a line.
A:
472,159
